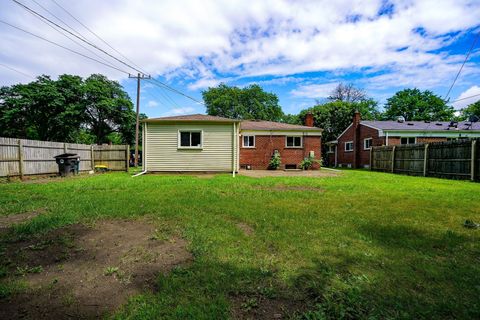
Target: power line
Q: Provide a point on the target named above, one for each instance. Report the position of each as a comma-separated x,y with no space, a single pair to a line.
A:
66,35
18,71
164,85
61,46
463,64
475,95
95,34
165,96
76,36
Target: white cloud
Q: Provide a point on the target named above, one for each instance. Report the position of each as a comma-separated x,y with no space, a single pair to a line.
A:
472,91
152,103
204,41
314,91
179,111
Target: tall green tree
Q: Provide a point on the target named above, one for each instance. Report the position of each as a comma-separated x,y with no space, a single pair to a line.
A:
335,116
417,105
471,111
108,109
251,102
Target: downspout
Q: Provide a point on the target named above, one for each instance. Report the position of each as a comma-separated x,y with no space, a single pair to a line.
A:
144,151
386,143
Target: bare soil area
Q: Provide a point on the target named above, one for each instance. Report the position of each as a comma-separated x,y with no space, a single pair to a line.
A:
85,272
7,221
247,307
289,173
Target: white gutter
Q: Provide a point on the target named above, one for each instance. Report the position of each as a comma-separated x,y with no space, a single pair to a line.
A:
386,138
234,151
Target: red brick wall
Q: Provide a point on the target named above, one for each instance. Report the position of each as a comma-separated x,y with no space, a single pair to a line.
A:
363,156
259,157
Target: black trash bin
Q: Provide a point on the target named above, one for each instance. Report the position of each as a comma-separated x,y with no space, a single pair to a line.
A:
68,164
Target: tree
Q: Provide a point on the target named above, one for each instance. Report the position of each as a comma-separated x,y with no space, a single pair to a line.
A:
251,102
335,116
347,93
471,111
68,109
416,105
108,109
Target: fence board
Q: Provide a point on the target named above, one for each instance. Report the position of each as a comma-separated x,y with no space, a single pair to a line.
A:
451,159
38,156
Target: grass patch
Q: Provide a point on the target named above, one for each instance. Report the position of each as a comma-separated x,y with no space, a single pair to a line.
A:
361,245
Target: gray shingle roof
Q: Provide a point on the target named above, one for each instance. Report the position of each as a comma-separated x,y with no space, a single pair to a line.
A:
192,117
421,125
270,125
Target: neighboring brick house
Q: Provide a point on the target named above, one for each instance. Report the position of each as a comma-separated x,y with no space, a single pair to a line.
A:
207,143
352,147
259,140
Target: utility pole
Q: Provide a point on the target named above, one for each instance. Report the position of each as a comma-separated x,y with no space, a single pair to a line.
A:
137,125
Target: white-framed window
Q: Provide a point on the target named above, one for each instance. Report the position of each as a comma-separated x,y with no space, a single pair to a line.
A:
249,141
293,141
367,143
330,149
190,139
408,140
349,146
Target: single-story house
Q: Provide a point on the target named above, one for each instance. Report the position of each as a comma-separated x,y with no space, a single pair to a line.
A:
208,143
352,146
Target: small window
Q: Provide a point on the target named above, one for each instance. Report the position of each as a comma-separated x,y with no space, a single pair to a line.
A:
367,143
408,140
190,139
349,146
249,141
330,149
294,142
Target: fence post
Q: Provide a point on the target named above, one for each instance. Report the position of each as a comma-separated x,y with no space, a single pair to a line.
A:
127,157
371,158
21,168
393,158
65,149
92,157
473,170
425,161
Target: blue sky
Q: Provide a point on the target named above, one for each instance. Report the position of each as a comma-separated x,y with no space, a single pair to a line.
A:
299,50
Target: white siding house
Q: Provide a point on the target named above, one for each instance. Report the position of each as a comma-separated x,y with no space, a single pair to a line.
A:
190,143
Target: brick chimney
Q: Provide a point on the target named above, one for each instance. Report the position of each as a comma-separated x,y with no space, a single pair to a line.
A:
356,119
309,119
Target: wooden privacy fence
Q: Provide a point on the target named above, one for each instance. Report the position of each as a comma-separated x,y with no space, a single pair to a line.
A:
458,159
19,157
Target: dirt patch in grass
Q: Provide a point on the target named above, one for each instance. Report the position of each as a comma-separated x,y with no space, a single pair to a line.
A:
87,271
8,221
284,187
282,173
245,307
245,228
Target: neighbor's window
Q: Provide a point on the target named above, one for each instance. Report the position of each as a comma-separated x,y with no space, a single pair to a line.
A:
248,141
408,140
367,143
190,139
349,146
294,142
330,149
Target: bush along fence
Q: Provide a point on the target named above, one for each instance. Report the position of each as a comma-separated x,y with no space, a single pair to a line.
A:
20,157
459,159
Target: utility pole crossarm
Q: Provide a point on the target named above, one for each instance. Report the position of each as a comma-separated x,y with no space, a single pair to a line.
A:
139,77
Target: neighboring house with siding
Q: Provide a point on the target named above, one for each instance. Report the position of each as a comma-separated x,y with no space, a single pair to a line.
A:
352,147
208,143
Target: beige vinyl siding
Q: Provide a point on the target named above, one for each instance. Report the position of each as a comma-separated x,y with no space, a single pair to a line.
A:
163,153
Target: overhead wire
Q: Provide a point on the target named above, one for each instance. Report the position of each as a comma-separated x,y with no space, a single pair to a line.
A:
18,71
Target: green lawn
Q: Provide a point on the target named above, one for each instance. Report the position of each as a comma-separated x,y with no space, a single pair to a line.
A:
361,245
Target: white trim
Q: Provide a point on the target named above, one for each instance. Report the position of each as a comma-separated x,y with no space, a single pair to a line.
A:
144,148
234,151
243,141
366,125
280,133
294,136
432,134
345,146
365,142
179,146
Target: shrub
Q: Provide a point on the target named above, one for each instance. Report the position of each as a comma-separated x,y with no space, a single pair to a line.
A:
308,162
275,161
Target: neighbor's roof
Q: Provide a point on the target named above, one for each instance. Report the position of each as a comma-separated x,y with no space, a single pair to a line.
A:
421,125
270,125
192,117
